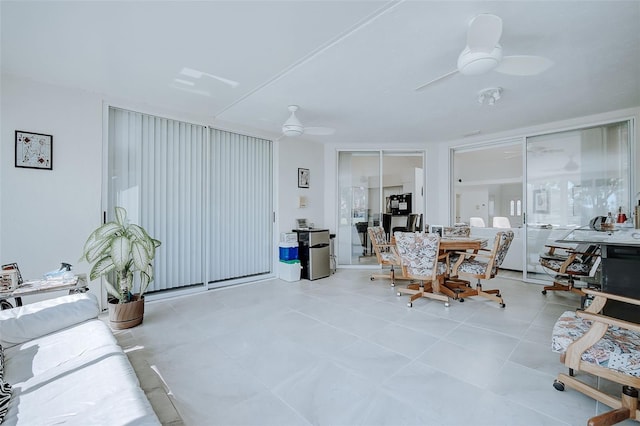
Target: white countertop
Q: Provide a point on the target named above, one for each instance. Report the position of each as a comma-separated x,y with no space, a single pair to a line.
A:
620,236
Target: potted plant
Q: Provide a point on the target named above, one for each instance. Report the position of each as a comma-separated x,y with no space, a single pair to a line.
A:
118,250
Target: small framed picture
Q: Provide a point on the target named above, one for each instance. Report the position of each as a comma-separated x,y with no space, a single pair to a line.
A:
436,229
34,150
541,201
303,178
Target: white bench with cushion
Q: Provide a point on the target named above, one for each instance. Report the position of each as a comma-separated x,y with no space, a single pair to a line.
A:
65,367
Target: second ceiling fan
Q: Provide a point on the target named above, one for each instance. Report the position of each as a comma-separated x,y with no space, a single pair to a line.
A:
483,53
293,126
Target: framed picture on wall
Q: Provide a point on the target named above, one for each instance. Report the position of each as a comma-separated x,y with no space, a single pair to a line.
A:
541,201
303,178
34,150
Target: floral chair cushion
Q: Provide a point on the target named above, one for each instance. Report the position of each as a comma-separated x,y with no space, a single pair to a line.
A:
377,235
419,254
378,238
456,231
503,241
473,266
619,349
478,265
577,268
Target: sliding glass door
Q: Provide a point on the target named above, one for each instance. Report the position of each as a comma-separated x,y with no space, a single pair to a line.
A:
565,180
359,203
206,194
375,188
571,177
487,193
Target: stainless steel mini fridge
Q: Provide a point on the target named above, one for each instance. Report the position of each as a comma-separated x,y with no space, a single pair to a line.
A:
313,250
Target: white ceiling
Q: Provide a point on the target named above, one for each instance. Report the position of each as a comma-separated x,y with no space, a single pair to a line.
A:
350,65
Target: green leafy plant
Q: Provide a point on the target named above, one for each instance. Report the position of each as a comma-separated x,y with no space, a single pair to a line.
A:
121,248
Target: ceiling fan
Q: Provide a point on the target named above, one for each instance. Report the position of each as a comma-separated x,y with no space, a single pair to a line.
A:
293,126
483,53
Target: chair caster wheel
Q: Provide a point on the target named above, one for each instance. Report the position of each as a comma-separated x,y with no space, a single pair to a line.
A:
502,305
461,300
446,304
398,294
544,291
409,304
559,386
498,295
393,284
372,278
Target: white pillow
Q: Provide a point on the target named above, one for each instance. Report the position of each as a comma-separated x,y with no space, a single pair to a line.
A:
28,322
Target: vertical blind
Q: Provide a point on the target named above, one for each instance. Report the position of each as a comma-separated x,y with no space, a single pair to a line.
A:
206,194
240,183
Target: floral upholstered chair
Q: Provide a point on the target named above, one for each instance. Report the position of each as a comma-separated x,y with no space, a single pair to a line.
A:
570,263
457,231
421,260
385,253
483,264
606,347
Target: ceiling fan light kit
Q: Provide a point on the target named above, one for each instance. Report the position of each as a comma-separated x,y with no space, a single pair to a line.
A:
476,63
293,126
490,95
483,53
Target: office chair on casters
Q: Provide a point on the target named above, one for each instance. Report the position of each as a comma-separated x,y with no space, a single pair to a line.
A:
483,264
385,253
591,342
570,263
421,260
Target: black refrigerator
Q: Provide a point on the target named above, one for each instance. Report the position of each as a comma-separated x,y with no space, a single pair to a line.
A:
314,253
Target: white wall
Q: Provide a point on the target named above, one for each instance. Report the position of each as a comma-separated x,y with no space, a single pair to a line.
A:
294,153
47,215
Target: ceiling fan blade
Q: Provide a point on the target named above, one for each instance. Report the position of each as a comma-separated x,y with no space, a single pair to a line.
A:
319,131
484,33
442,77
523,65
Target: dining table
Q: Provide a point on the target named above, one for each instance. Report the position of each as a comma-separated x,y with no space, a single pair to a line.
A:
462,243
458,244
451,244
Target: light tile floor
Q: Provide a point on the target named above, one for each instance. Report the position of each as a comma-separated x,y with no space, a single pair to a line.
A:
347,351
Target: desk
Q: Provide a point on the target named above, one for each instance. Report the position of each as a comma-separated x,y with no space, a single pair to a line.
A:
78,284
620,252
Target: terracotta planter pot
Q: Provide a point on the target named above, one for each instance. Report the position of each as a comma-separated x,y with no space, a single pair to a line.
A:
126,315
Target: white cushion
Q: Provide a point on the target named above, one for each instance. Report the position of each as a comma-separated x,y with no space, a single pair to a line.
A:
31,321
75,376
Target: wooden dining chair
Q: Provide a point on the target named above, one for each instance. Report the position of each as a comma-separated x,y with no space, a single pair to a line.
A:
570,264
594,344
422,261
481,264
385,253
